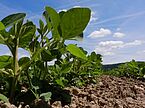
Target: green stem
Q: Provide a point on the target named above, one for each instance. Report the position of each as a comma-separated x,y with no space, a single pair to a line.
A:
15,71
29,80
46,70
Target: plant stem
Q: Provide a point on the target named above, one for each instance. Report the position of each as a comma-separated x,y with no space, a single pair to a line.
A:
15,71
29,79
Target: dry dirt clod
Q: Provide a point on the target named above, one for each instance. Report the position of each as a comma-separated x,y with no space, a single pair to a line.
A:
57,104
76,91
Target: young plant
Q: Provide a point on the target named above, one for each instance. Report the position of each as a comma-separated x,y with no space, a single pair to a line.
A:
19,35
15,33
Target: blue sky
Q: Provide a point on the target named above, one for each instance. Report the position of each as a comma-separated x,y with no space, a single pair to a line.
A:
116,29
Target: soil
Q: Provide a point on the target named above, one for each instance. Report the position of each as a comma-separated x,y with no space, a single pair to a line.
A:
109,92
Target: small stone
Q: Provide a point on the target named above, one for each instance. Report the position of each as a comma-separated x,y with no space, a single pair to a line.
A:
101,84
66,106
57,104
139,88
102,102
129,100
76,91
73,106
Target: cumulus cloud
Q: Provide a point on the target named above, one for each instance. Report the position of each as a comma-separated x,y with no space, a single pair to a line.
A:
134,43
104,51
108,47
118,35
112,44
101,33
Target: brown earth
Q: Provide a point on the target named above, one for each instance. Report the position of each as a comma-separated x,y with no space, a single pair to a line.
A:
109,92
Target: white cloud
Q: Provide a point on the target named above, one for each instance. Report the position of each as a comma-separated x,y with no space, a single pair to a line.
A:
93,18
104,51
135,43
118,35
108,47
101,33
112,44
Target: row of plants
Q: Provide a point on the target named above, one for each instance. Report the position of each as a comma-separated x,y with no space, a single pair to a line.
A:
132,69
46,43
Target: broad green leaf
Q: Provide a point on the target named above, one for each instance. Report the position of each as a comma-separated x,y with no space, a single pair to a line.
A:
74,50
40,64
53,15
46,55
12,19
2,40
2,27
61,13
60,81
4,98
4,35
95,57
49,55
41,24
46,96
5,60
23,60
74,21
28,32
53,21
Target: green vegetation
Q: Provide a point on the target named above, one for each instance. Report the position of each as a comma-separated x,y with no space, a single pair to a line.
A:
131,69
45,45
73,66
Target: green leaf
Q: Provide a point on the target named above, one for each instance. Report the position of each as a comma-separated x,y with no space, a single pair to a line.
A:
46,55
12,19
4,36
28,32
23,60
4,98
2,27
60,81
5,60
74,50
74,21
46,96
53,21
2,40
49,55
41,24
53,15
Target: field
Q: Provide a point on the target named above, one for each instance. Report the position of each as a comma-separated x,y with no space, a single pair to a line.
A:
77,79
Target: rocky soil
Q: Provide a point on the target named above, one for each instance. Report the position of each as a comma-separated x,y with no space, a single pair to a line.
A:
109,92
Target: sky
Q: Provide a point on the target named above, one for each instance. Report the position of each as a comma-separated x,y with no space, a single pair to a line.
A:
116,29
